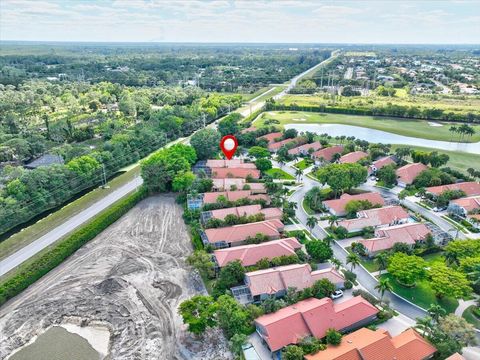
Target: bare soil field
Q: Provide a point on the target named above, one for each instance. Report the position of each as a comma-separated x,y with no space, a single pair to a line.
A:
131,279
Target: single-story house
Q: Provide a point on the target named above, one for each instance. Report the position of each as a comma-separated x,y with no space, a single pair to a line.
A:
196,202
251,254
273,147
247,210
352,157
312,317
229,184
408,173
455,356
271,137
385,238
222,173
366,344
304,149
274,282
237,234
233,163
470,188
326,154
337,206
378,164
377,217
464,205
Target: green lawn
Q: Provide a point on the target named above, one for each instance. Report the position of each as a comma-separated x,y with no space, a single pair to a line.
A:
435,258
307,208
279,174
422,294
303,164
406,127
33,232
368,264
471,317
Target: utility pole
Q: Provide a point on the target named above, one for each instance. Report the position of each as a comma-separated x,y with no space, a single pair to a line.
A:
104,179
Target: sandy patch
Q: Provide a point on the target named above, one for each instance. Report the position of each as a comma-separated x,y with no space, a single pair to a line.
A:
97,336
434,124
299,119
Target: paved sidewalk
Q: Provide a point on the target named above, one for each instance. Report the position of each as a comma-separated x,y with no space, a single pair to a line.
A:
462,305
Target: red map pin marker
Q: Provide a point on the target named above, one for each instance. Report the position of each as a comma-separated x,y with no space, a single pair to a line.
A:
228,144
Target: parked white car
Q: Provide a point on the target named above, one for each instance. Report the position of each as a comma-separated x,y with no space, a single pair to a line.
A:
337,294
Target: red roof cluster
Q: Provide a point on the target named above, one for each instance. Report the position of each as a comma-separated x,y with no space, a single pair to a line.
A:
338,205
233,163
238,233
271,137
277,145
366,344
311,317
327,153
248,210
226,184
252,254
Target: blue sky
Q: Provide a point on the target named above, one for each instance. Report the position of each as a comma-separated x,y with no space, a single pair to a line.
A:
444,22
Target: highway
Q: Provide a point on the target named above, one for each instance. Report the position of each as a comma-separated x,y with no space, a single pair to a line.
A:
71,224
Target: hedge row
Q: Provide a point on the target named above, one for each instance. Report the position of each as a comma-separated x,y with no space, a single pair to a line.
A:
396,111
16,283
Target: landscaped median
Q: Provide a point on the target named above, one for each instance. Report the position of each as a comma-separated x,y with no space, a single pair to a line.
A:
26,274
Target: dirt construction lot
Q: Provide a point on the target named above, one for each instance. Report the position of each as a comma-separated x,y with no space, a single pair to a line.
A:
131,278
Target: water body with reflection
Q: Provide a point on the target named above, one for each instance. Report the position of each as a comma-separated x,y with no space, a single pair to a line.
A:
379,136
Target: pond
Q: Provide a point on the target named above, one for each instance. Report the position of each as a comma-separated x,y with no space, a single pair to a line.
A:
66,342
379,136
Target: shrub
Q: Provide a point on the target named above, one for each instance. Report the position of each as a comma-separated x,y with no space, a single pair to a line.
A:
348,284
30,273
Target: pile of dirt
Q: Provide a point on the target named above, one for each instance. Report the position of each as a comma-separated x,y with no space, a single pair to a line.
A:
132,277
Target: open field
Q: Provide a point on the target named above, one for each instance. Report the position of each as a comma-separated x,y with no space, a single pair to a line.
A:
131,278
458,104
406,127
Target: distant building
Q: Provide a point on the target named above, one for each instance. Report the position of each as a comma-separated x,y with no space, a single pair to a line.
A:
470,188
326,154
463,206
380,163
274,147
233,163
242,173
304,149
197,202
247,210
45,160
352,157
271,137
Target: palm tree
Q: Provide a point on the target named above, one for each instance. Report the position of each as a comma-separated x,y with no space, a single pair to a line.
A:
425,326
299,174
436,312
382,286
382,261
353,260
336,262
453,129
332,220
471,172
311,222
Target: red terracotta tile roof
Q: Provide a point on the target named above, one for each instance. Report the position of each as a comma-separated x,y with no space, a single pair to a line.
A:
468,203
221,173
277,145
311,317
297,150
251,254
233,163
239,233
211,197
384,161
387,237
455,356
271,137
327,153
338,205
408,173
352,157
226,184
375,217
366,344
247,210
470,188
